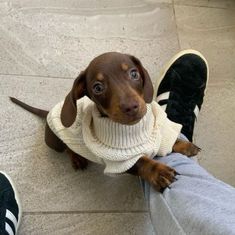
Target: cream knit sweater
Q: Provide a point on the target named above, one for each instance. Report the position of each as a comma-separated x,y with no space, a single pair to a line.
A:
115,145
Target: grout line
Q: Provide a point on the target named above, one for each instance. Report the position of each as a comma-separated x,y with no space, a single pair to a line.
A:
188,5
176,25
84,212
40,76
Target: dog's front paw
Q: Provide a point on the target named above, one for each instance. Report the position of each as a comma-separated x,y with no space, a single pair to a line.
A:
161,176
191,149
187,148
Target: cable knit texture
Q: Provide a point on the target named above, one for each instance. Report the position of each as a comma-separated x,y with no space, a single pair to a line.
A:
115,145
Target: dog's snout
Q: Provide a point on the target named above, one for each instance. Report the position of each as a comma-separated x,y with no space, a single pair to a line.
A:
131,109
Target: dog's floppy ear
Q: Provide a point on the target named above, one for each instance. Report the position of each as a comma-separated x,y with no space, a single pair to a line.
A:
148,86
69,109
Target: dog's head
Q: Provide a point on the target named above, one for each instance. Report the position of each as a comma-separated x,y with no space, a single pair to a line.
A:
118,84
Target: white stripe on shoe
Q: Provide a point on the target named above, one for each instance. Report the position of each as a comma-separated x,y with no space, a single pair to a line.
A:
196,111
166,95
11,217
9,229
163,96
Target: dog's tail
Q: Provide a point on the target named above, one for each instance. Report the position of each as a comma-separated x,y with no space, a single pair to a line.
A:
38,112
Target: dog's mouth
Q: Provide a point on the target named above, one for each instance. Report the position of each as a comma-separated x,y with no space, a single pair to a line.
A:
135,121
116,115
126,119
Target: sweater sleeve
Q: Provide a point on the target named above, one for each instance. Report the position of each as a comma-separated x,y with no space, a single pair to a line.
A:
69,134
169,130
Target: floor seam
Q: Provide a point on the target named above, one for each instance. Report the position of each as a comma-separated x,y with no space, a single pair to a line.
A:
176,25
84,212
188,5
40,76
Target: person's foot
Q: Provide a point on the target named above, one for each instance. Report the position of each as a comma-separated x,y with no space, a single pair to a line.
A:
181,88
10,210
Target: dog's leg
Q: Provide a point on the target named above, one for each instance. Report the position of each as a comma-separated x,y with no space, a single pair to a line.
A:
53,141
157,174
185,147
78,162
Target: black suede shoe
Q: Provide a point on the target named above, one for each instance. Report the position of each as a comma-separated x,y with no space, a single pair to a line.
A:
10,210
181,88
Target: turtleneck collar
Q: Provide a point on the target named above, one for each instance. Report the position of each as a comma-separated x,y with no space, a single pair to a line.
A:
117,135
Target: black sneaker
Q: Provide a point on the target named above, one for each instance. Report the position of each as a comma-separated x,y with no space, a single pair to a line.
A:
181,88
10,210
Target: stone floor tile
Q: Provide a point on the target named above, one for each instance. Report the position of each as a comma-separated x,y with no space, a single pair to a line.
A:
210,31
206,3
57,38
87,224
215,130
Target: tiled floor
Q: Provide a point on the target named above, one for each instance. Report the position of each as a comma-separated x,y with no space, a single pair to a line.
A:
43,46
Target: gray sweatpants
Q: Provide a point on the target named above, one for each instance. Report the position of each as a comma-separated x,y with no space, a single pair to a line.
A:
196,204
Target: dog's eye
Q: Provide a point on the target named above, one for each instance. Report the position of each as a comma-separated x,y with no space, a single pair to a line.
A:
134,74
98,88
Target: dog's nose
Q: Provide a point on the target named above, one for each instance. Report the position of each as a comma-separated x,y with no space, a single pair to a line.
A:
131,109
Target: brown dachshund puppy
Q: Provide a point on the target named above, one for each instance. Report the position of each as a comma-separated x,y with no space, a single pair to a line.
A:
120,87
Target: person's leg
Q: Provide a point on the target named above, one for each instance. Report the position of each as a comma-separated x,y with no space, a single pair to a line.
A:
10,210
196,203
